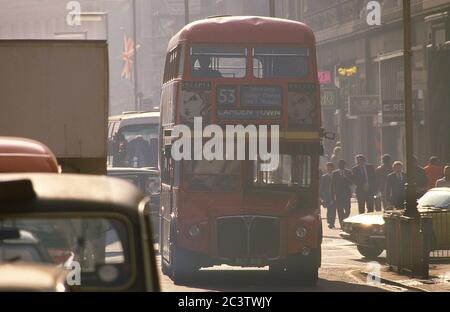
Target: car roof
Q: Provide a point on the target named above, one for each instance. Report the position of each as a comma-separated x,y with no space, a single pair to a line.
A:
136,118
81,189
440,189
27,276
25,155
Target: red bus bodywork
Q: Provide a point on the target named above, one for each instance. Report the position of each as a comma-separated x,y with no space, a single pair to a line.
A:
209,211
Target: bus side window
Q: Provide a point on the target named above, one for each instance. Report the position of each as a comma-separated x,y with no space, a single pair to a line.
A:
174,64
180,61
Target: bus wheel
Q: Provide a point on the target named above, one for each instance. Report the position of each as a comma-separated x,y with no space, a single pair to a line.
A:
182,270
165,267
277,269
305,269
308,276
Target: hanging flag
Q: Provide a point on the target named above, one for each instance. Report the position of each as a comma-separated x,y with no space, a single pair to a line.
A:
127,57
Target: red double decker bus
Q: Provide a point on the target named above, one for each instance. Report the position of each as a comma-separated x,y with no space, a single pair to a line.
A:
242,71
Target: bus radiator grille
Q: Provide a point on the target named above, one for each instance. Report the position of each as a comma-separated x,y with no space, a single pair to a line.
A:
248,237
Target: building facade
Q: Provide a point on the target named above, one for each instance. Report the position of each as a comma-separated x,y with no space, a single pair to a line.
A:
366,63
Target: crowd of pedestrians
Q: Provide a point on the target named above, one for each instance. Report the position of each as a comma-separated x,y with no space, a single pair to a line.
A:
375,189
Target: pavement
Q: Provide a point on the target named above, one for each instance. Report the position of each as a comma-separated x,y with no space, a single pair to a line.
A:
438,281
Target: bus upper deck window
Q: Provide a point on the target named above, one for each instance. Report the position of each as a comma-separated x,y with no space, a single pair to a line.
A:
218,62
280,62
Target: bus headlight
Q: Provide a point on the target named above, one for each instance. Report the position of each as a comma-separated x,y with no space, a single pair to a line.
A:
194,230
301,232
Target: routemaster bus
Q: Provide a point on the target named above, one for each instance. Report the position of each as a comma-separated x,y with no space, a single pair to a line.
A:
242,71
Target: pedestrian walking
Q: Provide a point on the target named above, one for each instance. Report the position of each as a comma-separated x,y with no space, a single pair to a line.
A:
381,174
325,195
365,180
433,171
421,179
341,189
336,156
395,186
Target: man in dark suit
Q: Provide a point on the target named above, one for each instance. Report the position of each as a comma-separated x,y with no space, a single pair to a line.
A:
341,184
421,179
395,186
366,185
325,195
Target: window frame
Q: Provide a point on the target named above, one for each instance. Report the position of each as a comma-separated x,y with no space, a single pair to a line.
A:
245,58
253,59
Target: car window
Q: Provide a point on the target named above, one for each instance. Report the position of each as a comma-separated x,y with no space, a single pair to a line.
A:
100,246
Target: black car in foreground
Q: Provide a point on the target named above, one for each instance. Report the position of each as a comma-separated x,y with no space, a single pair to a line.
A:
105,223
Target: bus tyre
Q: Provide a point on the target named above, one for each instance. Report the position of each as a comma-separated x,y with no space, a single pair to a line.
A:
370,252
305,269
277,270
308,276
165,267
181,268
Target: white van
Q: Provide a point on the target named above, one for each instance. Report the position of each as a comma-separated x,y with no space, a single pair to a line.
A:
133,140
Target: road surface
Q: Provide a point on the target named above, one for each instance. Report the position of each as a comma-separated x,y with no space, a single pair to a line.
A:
340,271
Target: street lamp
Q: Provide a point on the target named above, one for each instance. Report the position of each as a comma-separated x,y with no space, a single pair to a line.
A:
411,201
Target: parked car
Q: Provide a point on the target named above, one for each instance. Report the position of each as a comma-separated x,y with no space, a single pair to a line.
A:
30,277
105,223
367,230
25,155
148,181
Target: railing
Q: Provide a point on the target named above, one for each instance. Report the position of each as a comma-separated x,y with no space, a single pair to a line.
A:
411,243
408,244
440,236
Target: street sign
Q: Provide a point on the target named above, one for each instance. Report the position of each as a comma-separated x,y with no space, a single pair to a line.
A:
366,105
328,98
394,110
324,77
